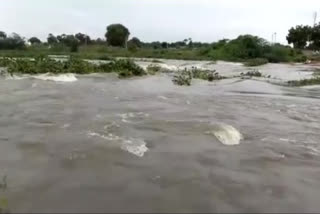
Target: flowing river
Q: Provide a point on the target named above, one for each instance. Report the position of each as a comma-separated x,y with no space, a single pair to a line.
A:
96,143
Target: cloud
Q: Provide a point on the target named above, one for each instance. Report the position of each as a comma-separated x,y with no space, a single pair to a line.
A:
151,20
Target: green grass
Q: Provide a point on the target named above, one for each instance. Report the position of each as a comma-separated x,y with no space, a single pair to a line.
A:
236,50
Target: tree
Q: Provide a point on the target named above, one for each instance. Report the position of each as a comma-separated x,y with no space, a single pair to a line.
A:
3,35
52,39
136,42
299,36
117,35
315,36
164,45
14,41
83,38
34,40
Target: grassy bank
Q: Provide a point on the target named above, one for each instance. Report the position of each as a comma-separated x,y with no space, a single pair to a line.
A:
252,51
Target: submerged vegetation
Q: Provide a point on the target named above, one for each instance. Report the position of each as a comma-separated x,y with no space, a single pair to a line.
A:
3,200
256,62
40,65
184,77
253,73
304,82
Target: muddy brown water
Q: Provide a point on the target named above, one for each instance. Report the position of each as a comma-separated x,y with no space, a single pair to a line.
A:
101,144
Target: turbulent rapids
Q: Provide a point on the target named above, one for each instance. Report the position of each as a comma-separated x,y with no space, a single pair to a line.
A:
242,143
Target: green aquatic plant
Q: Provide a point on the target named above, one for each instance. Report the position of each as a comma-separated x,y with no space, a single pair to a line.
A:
4,206
153,68
183,77
209,75
304,82
40,65
256,62
3,184
253,73
5,61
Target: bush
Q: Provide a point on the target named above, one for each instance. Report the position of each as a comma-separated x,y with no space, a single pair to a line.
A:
4,62
205,74
256,62
277,53
123,66
153,68
300,58
182,78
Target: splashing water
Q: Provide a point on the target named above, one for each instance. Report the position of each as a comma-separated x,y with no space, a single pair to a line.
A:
226,134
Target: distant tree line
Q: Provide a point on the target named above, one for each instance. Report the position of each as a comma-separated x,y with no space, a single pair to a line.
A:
13,41
117,35
305,36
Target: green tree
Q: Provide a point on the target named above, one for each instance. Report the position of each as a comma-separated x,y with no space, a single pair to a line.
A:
117,35
14,41
315,36
136,42
52,39
164,45
299,36
34,40
83,38
3,35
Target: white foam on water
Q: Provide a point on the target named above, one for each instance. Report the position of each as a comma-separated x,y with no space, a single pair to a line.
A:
109,137
14,77
135,146
168,67
162,97
47,77
226,134
67,125
287,140
126,116
132,145
56,78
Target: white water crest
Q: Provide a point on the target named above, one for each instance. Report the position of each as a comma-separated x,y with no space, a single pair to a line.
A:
132,115
135,146
226,134
69,77
56,78
132,145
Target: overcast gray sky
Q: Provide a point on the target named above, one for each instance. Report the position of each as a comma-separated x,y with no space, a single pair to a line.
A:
158,20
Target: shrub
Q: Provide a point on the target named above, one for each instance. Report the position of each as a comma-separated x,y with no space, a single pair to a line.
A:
300,58
153,68
209,75
182,78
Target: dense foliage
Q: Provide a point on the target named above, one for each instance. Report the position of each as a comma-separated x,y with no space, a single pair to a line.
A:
117,35
34,40
304,36
14,41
